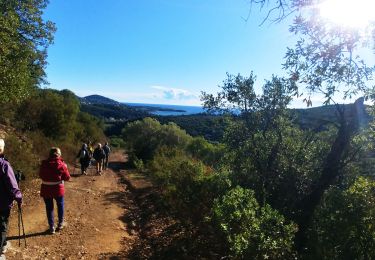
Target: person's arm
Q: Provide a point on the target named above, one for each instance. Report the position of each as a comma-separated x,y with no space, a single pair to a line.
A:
11,184
63,168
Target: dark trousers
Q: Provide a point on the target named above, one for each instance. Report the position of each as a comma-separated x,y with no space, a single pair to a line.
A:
106,162
84,165
4,220
49,210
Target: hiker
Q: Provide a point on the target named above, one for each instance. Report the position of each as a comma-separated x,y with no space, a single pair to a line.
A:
107,151
99,156
9,192
84,158
53,173
90,148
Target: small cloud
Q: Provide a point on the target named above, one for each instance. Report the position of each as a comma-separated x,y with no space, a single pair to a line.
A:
175,93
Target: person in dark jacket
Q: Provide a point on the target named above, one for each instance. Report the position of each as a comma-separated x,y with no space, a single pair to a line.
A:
53,173
99,156
84,158
107,151
9,192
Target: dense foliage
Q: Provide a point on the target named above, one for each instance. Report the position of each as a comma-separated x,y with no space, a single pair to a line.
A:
210,127
344,223
24,37
50,118
253,232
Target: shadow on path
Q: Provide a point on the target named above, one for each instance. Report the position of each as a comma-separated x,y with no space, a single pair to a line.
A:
37,234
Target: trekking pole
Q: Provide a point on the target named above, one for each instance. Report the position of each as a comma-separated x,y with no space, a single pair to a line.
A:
20,177
19,228
74,168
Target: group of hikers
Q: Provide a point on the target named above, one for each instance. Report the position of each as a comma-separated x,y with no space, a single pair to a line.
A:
100,154
53,172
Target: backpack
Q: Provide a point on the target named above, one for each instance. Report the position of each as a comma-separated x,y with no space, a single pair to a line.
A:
106,149
102,153
83,154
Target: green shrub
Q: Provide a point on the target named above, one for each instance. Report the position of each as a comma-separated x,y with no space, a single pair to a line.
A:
189,186
344,225
209,153
144,138
253,232
117,142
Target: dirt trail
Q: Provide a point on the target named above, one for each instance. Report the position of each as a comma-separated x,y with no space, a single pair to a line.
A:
96,210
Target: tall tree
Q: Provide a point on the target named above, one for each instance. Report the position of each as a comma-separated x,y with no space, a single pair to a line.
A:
326,60
24,37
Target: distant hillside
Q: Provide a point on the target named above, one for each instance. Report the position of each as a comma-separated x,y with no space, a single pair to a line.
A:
97,99
317,118
117,114
110,110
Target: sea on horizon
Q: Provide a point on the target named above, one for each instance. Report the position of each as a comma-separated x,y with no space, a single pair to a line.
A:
169,110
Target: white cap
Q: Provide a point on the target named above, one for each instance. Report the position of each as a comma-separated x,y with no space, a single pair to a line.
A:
2,144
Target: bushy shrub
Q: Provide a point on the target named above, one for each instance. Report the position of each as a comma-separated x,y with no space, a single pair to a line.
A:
143,138
252,231
117,142
344,225
209,153
189,186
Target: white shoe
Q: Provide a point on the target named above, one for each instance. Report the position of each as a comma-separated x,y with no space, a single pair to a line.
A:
52,230
5,248
60,226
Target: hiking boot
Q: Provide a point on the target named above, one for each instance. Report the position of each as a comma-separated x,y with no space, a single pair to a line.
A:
52,230
60,226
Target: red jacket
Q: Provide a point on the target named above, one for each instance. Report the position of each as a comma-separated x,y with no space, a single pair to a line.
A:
52,172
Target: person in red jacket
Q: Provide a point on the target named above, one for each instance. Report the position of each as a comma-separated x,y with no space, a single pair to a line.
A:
53,173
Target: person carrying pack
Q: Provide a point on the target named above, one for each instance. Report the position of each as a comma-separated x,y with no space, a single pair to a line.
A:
84,158
9,191
107,151
53,172
99,156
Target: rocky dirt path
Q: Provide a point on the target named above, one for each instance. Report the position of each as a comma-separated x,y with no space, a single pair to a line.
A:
100,214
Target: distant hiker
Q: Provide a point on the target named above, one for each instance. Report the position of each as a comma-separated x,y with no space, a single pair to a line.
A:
90,148
84,158
53,173
107,151
99,156
9,192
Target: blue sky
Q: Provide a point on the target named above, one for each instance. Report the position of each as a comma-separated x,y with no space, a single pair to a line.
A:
159,51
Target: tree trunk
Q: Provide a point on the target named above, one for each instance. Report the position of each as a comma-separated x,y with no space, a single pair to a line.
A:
330,172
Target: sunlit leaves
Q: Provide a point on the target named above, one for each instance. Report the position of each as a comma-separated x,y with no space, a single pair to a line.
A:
24,37
327,60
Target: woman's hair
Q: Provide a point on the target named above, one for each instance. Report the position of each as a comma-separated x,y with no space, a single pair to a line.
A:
54,152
